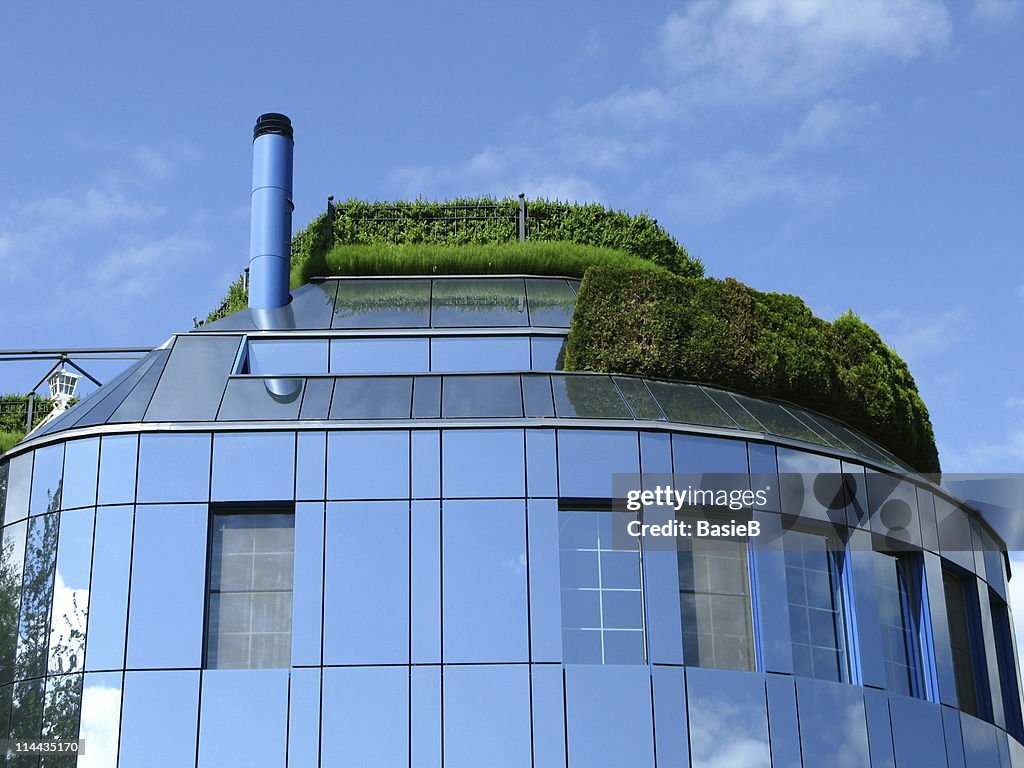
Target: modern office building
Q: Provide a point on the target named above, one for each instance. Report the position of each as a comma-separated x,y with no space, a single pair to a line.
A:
376,528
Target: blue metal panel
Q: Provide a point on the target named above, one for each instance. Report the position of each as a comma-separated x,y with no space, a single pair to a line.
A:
773,638
876,709
304,717
159,708
661,593
608,716
426,582
541,464
366,716
671,737
980,747
783,725
253,466
243,718
940,630
545,581
487,719
311,466
307,589
833,727
426,464
917,732
548,699
954,738
424,717
861,559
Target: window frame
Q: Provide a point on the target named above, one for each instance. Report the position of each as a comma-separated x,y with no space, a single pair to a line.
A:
240,509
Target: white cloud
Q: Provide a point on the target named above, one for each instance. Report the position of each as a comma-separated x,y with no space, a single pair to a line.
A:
101,714
827,122
137,270
996,11
1002,454
916,337
1015,403
766,49
1020,290
740,178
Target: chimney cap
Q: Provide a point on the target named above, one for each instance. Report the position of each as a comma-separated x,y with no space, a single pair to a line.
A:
272,122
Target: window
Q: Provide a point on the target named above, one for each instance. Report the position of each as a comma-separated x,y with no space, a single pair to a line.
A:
714,603
249,614
962,612
898,589
602,598
813,583
1008,684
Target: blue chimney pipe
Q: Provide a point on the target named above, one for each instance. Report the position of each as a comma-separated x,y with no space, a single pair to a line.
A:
270,236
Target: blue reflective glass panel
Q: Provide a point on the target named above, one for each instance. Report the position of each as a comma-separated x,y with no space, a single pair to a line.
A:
483,462
81,459
551,301
718,736
37,595
367,542
484,581
482,353
252,399
372,397
19,483
165,619
366,716
253,466
482,397
291,356
108,593
961,612
687,404
608,716
832,723
118,457
426,464
545,605
12,563
71,597
47,479
316,399
546,353
537,396
174,467
160,718
638,398
101,717
426,582
917,732
587,459
588,397
426,397
479,302
548,699
398,355
395,303
368,465
486,716
243,718
193,380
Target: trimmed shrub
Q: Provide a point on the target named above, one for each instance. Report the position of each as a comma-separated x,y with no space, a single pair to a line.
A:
723,333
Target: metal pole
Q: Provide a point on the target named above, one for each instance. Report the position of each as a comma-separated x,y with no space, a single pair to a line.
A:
521,217
28,411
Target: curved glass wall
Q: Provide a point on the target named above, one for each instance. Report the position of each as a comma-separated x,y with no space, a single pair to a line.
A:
392,538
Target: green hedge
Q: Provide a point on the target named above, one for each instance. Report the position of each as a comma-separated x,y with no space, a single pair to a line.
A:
726,334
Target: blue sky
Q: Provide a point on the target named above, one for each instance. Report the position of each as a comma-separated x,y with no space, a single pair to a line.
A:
861,155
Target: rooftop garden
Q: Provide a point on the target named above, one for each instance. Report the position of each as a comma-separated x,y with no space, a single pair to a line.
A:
644,306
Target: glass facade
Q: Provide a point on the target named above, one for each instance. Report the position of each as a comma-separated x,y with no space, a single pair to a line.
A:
403,567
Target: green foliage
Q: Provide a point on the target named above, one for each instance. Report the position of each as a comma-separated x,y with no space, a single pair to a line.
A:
727,334
12,412
9,439
533,258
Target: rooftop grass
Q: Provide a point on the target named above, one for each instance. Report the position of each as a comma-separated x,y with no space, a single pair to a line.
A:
724,333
